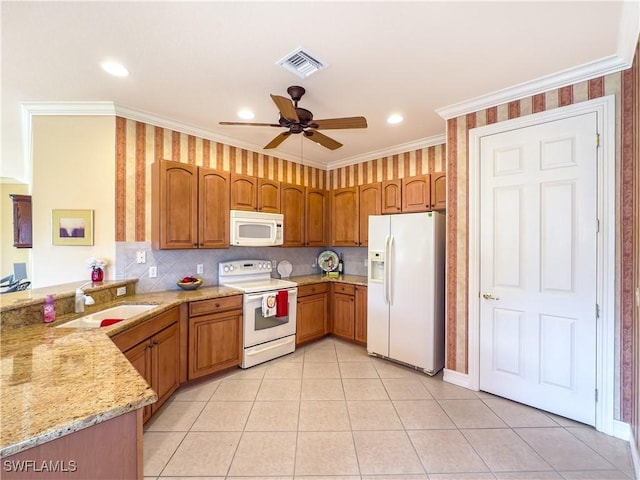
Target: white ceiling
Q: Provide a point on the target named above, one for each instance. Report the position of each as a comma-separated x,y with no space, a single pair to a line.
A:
195,64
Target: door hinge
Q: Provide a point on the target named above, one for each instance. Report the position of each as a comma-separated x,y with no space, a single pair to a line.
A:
597,225
596,395
597,311
597,139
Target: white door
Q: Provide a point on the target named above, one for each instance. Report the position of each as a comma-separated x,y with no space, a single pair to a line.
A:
538,232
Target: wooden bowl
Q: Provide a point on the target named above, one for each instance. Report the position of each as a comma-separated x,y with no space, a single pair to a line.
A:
189,285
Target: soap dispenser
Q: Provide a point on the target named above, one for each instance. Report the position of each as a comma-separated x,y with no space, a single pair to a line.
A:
49,309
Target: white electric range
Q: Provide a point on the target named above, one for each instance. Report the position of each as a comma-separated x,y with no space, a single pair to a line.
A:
267,332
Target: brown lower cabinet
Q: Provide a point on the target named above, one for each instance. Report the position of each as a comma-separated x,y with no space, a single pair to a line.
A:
153,348
215,335
313,313
349,312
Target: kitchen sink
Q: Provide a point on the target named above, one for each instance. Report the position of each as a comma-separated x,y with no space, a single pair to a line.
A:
120,312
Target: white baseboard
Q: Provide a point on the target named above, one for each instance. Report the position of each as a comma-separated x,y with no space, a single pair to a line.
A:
635,456
621,430
457,378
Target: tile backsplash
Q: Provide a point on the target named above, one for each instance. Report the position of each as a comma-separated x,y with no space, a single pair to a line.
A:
171,265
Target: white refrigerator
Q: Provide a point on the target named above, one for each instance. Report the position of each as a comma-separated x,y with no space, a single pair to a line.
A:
405,295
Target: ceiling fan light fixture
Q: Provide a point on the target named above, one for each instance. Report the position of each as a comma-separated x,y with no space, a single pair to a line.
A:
301,63
246,114
394,119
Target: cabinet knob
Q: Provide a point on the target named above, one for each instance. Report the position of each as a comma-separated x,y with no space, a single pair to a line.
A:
217,305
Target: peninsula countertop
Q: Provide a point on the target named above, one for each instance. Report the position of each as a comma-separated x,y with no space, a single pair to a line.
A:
56,381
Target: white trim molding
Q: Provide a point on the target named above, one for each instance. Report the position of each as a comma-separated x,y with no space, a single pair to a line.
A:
605,295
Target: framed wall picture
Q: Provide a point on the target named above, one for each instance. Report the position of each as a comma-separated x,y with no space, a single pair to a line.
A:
72,227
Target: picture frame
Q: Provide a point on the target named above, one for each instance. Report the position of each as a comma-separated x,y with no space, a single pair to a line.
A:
72,227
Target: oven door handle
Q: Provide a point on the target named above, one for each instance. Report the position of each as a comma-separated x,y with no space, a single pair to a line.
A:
255,296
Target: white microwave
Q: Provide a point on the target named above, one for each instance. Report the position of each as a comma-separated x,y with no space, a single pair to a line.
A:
256,229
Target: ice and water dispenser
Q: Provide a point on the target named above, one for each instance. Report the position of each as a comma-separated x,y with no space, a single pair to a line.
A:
376,266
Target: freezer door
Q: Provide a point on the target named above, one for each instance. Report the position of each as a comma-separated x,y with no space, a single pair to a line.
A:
377,306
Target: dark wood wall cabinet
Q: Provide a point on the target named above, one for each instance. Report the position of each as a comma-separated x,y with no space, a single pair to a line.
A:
22,229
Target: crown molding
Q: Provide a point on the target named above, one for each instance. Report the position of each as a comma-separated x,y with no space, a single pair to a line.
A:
396,149
68,108
604,66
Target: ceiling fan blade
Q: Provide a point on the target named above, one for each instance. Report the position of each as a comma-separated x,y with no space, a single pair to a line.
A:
252,124
277,141
287,110
321,139
334,123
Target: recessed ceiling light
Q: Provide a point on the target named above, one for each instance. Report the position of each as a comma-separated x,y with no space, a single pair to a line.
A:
246,114
395,118
115,69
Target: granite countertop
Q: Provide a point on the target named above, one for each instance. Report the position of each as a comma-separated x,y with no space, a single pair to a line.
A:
56,381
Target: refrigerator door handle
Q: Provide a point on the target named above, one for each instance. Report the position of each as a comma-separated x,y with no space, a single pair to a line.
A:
389,263
386,269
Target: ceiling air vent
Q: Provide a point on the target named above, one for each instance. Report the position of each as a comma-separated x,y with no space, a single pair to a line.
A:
301,63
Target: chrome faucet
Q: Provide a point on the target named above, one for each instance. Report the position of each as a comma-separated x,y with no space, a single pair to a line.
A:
82,299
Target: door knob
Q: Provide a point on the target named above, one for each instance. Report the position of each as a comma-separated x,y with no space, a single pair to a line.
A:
488,296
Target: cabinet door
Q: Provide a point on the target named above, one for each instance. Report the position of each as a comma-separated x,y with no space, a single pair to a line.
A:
361,314
244,194
268,195
213,214
174,205
416,194
140,357
343,315
292,204
438,191
311,317
344,207
369,205
315,217
165,363
215,343
22,229
391,196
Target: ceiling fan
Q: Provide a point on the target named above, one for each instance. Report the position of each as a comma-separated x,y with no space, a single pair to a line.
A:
300,120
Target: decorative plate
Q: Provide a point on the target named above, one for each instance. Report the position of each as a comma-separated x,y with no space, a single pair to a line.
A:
328,261
285,268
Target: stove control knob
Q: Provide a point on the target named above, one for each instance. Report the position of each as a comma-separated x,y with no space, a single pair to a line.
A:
226,269
231,267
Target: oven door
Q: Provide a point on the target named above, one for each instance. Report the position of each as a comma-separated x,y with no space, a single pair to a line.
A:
260,329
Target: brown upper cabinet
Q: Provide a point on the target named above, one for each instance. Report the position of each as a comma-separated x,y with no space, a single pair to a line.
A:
345,228
369,205
252,193
22,227
190,206
391,196
416,193
315,217
292,201
438,191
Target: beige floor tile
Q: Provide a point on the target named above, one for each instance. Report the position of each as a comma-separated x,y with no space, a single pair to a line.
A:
175,417
284,370
321,355
253,372
446,451
416,476
323,344
352,354
562,450
461,476
322,389
422,415
223,417
503,451
373,415
323,415
565,422
357,370
388,369
199,392
321,370
279,389
326,453
364,389
441,390
264,454
616,451
595,475
204,454
195,478
471,414
237,390
406,389
528,476
273,417
158,449
518,415
327,477
384,453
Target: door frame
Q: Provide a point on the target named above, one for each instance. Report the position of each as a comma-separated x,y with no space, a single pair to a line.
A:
606,247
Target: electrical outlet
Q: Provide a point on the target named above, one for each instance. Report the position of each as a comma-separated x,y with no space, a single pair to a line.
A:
141,257
200,269
366,264
153,272
121,291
